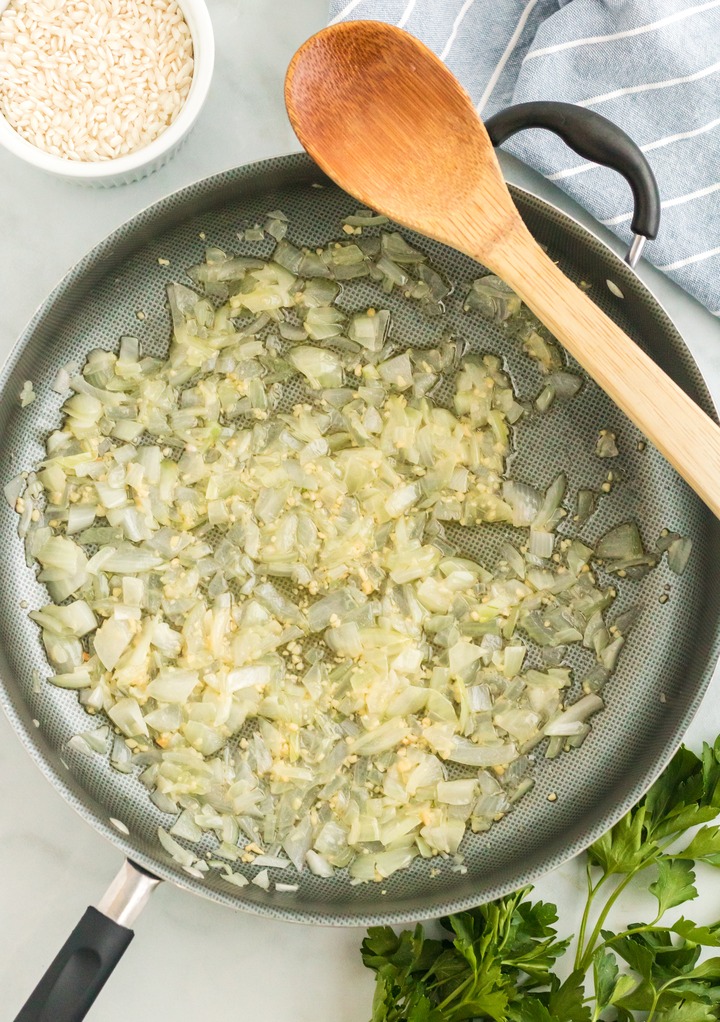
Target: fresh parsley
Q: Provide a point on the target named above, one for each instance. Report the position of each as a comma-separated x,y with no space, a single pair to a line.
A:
497,961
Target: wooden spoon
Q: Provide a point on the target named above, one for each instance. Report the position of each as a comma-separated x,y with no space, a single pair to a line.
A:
386,120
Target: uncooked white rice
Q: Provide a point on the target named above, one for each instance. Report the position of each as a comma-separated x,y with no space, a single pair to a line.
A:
91,80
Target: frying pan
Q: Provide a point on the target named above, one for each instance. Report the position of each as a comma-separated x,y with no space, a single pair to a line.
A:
663,671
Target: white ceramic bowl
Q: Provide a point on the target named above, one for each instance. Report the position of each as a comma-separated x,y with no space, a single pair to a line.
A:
150,158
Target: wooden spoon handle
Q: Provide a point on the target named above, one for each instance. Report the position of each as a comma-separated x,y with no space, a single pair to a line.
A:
680,430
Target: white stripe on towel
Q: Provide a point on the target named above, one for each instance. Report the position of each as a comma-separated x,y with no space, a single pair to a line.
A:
348,9
639,30
697,258
456,25
694,77
660,142
408,11
506,55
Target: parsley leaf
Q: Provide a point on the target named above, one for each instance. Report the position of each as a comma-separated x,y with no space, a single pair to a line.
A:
568,1001
708,936
605,974
624,848
675,883
531,945
531,1009
686,793
686,1011
634,951
705,846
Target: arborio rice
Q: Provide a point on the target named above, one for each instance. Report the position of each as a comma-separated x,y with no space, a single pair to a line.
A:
92,80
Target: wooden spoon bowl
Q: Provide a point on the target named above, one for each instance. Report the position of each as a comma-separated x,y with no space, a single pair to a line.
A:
387,121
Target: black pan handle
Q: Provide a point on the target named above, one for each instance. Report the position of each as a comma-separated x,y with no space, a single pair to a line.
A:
80,970
595,138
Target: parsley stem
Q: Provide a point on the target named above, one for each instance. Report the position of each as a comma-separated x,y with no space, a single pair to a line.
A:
653,1006
456,991
586,955
592,891
633,930
660,991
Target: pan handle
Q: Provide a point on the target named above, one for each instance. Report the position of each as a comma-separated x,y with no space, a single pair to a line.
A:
596,139
68,989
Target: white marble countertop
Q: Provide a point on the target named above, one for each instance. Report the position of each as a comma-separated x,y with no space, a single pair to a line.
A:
192,959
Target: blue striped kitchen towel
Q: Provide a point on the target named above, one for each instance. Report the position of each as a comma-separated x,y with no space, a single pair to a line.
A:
652,66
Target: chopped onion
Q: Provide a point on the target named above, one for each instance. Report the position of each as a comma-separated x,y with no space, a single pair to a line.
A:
318,864
176,851
621,542
365,218
606,446
621,550
567,723
565,385
236,878
678,554
550,511
262,880
111,640
525,501
545,398
541,543
27,394
14,489
585,507
79,743
173,686
271,861
493,299
126,715
321,368
370,331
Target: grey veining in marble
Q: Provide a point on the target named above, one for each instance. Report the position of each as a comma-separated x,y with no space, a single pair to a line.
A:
194,960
